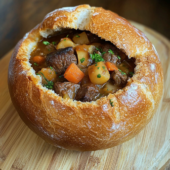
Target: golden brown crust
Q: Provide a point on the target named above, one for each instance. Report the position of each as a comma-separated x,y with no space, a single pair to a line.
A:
96,125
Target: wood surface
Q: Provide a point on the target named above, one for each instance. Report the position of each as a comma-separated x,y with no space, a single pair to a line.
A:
21,149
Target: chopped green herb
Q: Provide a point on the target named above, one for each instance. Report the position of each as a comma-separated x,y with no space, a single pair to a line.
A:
82,60
49,84
98,67
103,67
96,57
98,49
49,49
123,73
61,76
35,64
51,68
46,43
119,57
131,73
67,36
96,64
111,102
64,39
54,43
78,36
99,76
110,51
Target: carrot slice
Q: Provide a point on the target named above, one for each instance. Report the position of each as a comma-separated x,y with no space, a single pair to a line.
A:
38,59
73,73
110,66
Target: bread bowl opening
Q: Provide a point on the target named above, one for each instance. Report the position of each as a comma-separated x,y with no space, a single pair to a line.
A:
80,65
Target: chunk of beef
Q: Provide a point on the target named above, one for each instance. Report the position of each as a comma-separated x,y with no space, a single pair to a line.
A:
61,59
92,38
85,80
119,78
87,93
107,47
108,55
66,89
50,48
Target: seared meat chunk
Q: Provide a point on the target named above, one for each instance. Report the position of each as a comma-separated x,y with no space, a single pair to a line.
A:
66,89
50,48
61,59
110,57
92,38
110,54
119,77
87,93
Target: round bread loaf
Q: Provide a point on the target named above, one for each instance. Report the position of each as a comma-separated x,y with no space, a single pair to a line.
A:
95,125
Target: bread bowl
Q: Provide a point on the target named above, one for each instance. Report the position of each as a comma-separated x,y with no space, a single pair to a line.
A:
94,125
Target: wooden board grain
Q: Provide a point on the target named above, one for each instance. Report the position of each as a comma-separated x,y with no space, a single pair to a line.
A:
21,149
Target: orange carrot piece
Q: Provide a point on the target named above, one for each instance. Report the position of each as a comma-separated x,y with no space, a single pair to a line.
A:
38,59
110,66
73,73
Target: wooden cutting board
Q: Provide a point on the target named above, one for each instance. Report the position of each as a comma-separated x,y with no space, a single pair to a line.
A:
21,149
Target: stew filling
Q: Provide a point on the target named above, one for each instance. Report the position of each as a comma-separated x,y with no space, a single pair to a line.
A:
81,66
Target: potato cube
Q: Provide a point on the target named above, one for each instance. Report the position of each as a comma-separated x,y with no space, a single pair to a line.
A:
65,42
81,38
83,54
98,73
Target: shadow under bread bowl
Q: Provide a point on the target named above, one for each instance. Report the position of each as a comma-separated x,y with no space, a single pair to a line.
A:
94,125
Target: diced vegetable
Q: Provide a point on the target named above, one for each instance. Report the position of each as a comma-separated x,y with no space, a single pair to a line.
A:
66,96
88,48
110,88
98,73
83,54
38,59
73,74
81,38
83,57
47,74
111,66
65,42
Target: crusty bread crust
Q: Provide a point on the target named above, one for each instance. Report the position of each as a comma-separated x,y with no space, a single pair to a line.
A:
87,125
